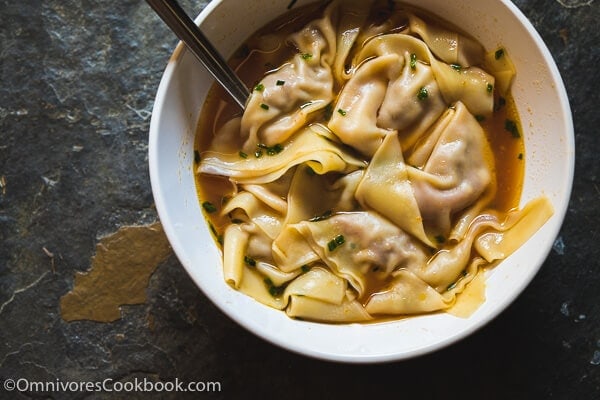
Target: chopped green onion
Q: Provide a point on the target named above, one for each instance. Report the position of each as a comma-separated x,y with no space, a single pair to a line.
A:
456,67
307,56
273,290
251,262
242,154
264,106
274,149
259,88
489,88
271,150
342,112
335,242
512,127
258,153
280,82
413,61
305,268
422,94
209,207
498,54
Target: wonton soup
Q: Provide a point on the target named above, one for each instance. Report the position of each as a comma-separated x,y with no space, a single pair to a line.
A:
376,171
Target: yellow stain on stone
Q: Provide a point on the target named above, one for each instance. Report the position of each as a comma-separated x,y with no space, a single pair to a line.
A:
119,274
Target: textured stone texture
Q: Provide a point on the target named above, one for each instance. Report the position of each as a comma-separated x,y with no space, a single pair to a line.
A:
78,80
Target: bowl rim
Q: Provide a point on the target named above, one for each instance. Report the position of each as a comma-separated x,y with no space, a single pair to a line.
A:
297,347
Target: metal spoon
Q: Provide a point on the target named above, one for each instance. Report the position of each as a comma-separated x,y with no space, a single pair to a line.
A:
188,32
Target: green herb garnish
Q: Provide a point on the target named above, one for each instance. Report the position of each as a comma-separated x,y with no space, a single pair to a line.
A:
342,112
271,150
306,56
498,54
335,242
413,61
512,127
259,88
305,268
280,82
273,290
456,67
264,106
275,149
489,88
251,262
422,94
209,207
242,154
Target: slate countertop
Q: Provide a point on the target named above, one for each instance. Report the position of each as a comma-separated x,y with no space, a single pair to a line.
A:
78,80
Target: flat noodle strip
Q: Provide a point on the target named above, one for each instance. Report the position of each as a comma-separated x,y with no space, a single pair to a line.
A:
309,147
235,242
308,308
516,230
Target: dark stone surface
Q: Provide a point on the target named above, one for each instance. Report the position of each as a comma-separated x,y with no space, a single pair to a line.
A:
78,80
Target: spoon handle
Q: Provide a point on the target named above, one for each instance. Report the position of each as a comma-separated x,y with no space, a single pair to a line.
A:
188,32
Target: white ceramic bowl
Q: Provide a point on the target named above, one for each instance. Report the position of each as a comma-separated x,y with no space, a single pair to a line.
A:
546,119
